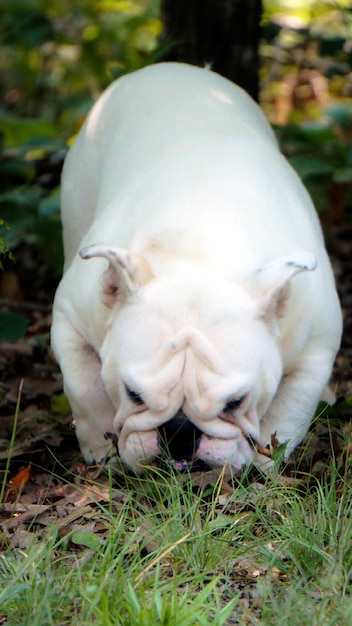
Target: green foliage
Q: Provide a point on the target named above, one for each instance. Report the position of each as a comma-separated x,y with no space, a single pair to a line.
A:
59,405
321,153
56,59
15,130
3,246
12,327
86,539
307,61
58,55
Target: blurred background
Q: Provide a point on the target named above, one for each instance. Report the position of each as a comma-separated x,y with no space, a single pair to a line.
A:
56,58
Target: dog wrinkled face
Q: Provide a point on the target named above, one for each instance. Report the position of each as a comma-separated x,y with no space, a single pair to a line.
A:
185,361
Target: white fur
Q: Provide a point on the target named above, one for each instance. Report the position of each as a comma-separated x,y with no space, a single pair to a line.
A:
178,196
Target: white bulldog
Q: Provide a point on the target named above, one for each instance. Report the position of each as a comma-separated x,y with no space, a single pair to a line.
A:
206,319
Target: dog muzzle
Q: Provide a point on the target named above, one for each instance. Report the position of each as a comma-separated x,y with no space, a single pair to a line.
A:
178,440
180,445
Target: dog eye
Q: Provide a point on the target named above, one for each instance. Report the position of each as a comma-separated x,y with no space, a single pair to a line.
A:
233,404
133,396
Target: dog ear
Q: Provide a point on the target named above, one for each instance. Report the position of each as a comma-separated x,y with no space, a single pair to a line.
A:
124,274
271,283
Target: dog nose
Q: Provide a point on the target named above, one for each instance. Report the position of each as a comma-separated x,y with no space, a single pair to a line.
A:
179,438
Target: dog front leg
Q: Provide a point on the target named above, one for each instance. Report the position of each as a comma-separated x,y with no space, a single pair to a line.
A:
291,411
91,407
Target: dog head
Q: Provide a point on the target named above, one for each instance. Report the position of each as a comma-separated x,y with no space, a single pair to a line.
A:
191,361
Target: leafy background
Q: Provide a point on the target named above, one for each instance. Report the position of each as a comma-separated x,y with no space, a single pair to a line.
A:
57,57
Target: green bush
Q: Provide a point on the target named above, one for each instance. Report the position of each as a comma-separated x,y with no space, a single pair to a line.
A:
56,59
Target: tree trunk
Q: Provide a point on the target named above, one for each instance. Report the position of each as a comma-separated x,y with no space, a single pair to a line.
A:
223,33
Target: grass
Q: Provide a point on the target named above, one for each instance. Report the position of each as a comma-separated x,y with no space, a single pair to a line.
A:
170,555
174,550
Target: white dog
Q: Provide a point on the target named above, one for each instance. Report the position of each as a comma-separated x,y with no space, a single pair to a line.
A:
207,318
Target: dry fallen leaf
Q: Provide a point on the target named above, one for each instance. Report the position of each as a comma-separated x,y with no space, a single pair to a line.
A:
274,442
21,478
